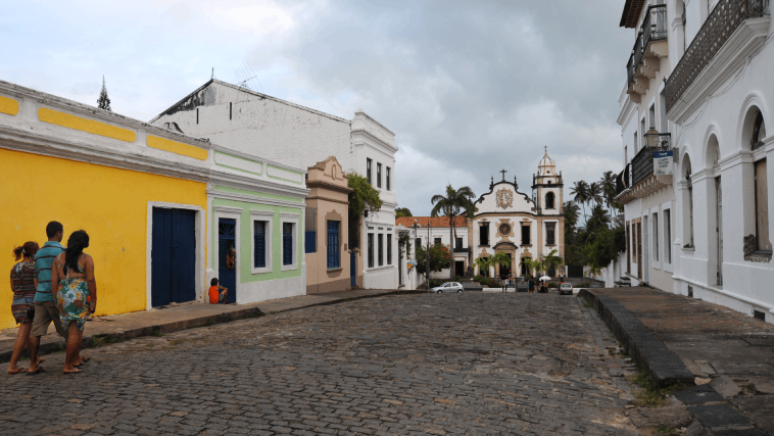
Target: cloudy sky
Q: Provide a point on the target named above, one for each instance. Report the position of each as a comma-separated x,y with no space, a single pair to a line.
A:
470,87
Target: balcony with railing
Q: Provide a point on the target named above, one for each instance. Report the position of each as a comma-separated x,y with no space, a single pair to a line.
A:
649,47
721,24
639,179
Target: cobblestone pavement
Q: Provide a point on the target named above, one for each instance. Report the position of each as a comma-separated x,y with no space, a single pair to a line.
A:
454,364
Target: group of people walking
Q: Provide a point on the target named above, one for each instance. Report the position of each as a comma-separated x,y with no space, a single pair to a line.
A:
52,284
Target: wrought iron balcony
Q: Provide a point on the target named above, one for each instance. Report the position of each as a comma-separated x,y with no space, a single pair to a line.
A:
642,164
644,60
461,250
727,16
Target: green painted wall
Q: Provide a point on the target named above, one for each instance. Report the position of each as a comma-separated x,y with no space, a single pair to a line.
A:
246,243
257,194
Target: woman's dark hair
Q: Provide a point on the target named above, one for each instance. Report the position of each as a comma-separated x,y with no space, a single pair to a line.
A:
79,240
29,249
213,282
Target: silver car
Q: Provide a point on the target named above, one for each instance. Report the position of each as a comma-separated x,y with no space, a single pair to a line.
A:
565,288
447,287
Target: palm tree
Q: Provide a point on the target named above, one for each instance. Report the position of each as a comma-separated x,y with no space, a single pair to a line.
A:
608,188
530,265
571,211
596,194
500,258
450,206
483,264
552,260
580,194
599,218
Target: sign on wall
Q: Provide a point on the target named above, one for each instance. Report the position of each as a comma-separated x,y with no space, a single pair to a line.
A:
662,163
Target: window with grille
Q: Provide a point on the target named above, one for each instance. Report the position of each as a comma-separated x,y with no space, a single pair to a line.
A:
370,250
550,200
437,241
259,244
368,171
287,243
381,249
378,175
459,242
484,234
417,242
388,178
389,249
334,258
550,233
525,235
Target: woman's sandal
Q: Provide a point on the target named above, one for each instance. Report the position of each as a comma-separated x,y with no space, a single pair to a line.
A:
18,370
39,370
75,371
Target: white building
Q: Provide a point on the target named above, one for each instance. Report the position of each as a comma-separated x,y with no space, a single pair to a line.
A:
717,99
648,198
291,134
439,232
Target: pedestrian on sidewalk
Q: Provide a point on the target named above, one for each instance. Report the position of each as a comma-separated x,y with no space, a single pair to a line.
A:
75,290
45,307
22,306
216,296
531,285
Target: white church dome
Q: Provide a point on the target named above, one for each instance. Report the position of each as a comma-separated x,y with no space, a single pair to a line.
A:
547,166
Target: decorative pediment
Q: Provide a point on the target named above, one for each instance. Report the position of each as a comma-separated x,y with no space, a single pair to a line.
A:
504,198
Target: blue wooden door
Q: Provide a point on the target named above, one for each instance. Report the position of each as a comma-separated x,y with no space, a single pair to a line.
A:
173,257
227,268
352,269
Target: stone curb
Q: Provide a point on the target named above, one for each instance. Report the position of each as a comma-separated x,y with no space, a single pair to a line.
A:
650,354
221,318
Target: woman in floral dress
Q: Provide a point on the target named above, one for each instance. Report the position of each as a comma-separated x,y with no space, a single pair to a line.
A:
75,291
23,284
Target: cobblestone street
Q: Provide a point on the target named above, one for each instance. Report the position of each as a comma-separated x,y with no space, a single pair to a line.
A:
471,363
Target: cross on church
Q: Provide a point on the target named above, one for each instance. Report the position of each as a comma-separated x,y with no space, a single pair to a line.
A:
503,171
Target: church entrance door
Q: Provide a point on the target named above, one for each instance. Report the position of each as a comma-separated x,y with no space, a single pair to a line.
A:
505,271
459,268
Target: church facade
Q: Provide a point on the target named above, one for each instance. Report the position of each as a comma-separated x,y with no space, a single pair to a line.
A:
520,225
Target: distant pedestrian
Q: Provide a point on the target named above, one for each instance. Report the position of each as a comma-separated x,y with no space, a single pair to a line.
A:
23,308
45,307
217,293
531,285
75,290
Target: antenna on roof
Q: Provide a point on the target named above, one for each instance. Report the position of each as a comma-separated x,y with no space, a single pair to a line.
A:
213,73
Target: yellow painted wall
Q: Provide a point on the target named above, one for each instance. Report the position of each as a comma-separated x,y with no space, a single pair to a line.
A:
109,203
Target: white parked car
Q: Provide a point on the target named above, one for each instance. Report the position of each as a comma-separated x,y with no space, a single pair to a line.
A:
447,287
565,288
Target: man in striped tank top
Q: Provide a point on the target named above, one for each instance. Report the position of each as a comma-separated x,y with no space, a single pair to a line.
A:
45,306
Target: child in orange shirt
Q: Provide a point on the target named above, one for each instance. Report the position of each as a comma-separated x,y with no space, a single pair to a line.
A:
215,296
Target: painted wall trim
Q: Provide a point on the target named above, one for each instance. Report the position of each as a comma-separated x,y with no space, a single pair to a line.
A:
176,147
200,226
286,175
8,106
252,199
228,160
94,127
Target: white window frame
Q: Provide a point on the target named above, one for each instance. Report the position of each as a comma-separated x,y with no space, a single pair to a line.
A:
655,241
268,217
291,218
667,263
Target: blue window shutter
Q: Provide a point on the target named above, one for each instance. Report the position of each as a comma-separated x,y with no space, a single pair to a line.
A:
310,242
287,244
259,244
334,260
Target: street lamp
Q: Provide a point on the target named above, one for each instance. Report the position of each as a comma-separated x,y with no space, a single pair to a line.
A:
416,235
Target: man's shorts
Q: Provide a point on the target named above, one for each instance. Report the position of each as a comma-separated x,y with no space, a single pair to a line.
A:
222,299
45,312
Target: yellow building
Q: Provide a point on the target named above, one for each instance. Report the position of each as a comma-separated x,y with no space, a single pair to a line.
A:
141,193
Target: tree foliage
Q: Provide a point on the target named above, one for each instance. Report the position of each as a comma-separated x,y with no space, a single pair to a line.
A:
401,212
103,102
363,197
440,258
450,205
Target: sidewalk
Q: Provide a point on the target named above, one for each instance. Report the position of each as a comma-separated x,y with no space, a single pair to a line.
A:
185,316
729,356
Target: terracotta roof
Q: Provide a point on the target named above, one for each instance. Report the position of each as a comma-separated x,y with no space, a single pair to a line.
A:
408,221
